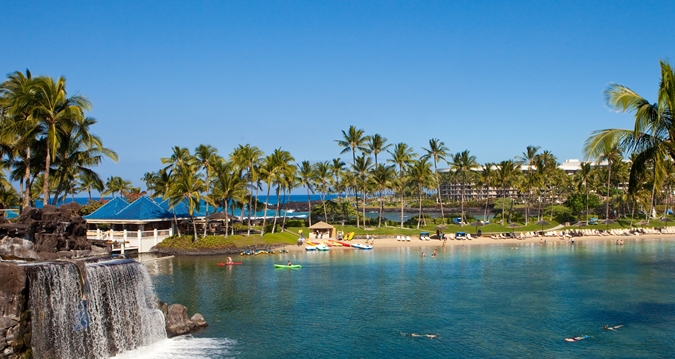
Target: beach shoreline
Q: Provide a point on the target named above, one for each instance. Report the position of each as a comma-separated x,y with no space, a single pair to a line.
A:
392,242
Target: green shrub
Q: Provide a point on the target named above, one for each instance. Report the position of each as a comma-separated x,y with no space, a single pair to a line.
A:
90,207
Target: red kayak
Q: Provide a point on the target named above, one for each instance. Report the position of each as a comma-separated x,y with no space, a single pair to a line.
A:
228,264
345,244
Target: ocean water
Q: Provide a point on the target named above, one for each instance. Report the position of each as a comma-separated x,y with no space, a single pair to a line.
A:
483,301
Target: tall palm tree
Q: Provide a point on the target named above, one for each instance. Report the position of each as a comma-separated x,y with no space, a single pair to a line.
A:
207,157
16,127
361,169
116,184
507,173
527,158
421,177
285,169
585,178
306,175
437,151
402,157
653,135
247,158
382,177
48,104
187,187
612,153
352,140
463,163
376,144
322,181
228,185
487,179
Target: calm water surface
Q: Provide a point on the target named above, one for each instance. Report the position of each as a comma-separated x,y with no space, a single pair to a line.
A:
483,301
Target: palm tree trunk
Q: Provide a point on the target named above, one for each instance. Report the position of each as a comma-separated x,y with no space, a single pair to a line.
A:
419,216
45,185
267,199
250,202
651,200
401,208
438,185
323,202
379,221
309,205
227,220
27,193
276,211
503,203
194,229
587,203
364,206
631,215
609,176
462,198
356,198
485,214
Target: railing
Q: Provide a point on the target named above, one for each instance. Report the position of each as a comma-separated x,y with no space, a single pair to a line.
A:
144,240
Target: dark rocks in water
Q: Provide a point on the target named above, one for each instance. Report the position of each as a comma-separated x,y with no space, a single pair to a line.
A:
49,233
177,322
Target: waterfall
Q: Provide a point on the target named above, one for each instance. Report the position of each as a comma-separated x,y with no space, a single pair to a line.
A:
108,309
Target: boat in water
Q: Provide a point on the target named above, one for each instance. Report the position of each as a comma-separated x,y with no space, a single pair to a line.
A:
361,246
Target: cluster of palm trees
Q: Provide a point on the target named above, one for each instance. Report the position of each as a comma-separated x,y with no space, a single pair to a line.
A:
46,141
47,147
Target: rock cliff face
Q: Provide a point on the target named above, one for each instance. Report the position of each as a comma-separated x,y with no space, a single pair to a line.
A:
14,316
48,234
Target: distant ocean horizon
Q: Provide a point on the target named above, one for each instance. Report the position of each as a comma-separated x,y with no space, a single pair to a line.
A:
272,199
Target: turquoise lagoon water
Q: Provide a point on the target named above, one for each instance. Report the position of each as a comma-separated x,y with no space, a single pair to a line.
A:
483,301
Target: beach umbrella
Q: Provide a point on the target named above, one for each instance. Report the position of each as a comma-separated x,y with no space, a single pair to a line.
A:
608,222
441,226
477,224
513,225
641,223
542,224
666,220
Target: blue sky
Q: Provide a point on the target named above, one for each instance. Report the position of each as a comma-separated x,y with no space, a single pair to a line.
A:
489,76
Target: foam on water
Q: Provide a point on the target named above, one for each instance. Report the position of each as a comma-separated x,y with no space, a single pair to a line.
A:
184,347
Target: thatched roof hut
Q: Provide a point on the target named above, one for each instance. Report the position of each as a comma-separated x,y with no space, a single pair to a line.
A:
323,228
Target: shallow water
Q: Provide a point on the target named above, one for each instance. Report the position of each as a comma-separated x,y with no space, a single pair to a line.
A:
483,301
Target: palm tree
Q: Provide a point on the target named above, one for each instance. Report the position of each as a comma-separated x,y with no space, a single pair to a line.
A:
402,156
527,158
89,181
228,185
247,158
351,140
585,178
116,184
652,136
322,180
187,187
611,153
207,157
16,128
507,173
285,175
47,103
377,144
306,175
437,151
463,163
421,177
381,178
487,180
361,169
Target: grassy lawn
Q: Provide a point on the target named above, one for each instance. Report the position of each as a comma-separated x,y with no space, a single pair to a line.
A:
219,242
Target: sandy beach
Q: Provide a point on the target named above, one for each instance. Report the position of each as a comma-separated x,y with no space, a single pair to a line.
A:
417,243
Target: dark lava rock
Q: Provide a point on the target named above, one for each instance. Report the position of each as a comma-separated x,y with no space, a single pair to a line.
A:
177,322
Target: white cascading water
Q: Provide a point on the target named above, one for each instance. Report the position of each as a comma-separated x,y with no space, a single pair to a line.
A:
114,311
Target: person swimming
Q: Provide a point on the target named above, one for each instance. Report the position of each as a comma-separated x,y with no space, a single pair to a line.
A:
607,327
576,339
431,336
414,335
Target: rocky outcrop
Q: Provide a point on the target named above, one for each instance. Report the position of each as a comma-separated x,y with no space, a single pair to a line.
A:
47,234
177,322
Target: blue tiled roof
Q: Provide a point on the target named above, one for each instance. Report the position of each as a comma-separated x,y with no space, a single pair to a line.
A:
109,210
143,209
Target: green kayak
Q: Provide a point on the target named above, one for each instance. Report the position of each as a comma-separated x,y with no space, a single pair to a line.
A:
287,266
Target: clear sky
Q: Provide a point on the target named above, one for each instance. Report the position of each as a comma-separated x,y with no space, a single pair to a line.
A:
489,76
